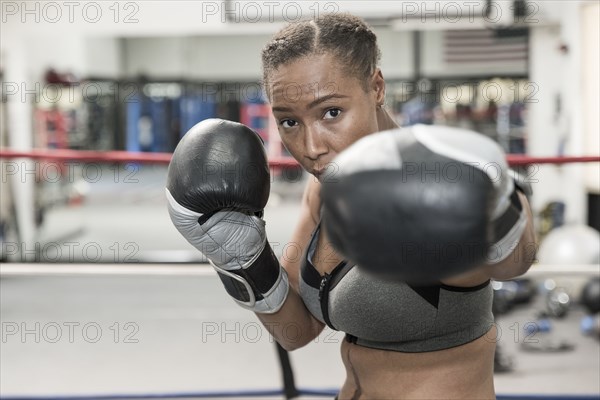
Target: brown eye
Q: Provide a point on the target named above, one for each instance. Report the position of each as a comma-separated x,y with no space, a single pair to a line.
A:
288,123
332,113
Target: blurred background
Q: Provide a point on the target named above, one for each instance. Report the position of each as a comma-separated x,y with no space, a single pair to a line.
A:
95,95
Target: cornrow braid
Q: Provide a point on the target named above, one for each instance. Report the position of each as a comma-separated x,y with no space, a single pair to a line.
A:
346,37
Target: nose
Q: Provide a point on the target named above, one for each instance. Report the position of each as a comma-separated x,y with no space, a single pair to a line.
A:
314,143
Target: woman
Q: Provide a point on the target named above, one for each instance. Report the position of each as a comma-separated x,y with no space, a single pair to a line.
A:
326,92
402,340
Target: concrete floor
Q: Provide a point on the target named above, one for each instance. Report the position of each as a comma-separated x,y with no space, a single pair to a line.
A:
178,333
143,335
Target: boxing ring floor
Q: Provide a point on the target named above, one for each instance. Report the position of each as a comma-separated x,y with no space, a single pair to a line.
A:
133,329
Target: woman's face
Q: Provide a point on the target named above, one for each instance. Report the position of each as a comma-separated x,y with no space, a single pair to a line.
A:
320,110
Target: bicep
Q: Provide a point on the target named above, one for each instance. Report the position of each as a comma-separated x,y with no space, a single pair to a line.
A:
523,255
302,233
294,310
308,220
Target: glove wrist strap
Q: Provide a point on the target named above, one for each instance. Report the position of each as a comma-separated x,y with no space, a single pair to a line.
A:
508,229
261,285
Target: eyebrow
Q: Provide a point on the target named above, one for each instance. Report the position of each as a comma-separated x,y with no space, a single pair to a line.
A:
315,102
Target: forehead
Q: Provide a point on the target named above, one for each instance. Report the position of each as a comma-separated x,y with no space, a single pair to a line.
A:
309,78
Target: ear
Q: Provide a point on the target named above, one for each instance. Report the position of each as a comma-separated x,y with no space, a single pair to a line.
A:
378,87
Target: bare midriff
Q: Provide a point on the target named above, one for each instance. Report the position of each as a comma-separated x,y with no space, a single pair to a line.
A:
462,372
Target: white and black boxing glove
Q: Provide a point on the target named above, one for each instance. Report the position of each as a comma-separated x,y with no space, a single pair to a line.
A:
508,219
423,203
217,187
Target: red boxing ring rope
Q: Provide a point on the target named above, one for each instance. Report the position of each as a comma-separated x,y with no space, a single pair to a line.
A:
281,162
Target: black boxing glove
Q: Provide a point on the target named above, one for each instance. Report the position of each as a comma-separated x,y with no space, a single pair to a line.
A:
422,203
217,187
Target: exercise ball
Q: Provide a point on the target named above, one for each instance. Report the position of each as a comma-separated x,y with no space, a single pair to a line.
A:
570,245
590,295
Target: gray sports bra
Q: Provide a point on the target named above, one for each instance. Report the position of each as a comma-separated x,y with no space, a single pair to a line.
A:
391,315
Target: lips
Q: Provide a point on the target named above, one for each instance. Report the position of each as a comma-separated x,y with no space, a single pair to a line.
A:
321,168
320,171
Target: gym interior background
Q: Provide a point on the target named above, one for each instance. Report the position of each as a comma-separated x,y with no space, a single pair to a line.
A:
100,296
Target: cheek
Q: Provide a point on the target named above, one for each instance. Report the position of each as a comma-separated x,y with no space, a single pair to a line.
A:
289,145
358,125
292,146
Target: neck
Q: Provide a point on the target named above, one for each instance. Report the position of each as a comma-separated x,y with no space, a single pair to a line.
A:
385,120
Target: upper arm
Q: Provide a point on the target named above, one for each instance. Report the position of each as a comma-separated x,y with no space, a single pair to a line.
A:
294,310
523,255
308,219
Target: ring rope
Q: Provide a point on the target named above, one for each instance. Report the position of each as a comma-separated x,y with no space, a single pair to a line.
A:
279,162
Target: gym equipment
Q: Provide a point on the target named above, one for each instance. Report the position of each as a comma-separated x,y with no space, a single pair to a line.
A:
570,244
510,293
541,325
504,295
558,302
590,325
547,345
590,295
